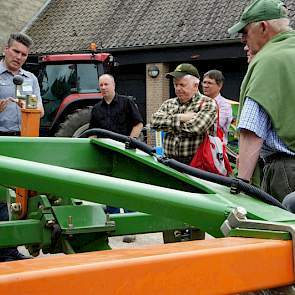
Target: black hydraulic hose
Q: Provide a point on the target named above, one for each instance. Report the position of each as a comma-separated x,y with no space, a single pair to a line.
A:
235,184
142,146
104,134
195,172
130,142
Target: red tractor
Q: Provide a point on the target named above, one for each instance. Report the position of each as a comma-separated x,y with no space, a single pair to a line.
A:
69,89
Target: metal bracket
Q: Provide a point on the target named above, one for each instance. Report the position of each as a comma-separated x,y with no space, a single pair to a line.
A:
237,219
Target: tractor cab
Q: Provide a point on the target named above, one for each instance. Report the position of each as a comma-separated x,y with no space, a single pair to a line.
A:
69,85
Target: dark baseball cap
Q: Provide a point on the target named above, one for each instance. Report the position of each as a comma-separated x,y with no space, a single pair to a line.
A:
182,70
259,10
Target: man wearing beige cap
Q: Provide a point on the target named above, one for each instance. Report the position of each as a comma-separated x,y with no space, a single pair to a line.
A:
185,118
267,97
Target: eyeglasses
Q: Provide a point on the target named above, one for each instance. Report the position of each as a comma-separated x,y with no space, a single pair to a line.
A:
208,83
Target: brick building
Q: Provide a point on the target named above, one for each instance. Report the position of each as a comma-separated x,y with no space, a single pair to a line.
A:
145,33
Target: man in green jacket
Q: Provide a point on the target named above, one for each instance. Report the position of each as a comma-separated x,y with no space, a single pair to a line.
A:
267,97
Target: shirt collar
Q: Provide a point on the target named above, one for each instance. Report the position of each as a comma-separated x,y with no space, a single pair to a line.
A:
114,100
115,97
4,69
195,97
218,97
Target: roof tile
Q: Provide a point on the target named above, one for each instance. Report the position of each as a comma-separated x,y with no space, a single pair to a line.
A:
74,24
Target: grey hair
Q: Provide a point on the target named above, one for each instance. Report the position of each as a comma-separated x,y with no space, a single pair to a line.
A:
21,38
280,25
194,79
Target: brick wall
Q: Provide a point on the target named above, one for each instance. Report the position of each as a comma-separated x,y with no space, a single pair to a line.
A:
157,89
14,15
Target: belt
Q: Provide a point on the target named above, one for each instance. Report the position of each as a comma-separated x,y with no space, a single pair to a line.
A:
11,133
278,156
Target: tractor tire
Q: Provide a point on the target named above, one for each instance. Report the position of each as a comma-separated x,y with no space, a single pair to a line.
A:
75,123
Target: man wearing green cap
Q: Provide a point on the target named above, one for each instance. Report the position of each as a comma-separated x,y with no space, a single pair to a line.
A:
185,118
267,97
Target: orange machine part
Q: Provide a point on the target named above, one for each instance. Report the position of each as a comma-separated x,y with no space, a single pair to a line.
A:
215,266
29,128
30,122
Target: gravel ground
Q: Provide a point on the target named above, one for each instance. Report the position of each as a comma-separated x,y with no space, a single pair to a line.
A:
141,240
117,243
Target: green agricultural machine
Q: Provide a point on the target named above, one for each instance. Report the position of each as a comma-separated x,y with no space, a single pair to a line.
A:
69,181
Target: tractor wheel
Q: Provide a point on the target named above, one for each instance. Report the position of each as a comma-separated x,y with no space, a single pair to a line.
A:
75,123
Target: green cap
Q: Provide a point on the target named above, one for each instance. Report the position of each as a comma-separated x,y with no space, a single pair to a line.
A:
259,10
182,70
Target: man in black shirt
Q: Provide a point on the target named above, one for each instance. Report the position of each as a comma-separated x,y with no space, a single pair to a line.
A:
115,112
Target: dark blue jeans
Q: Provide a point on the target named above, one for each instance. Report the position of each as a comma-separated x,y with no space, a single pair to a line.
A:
4,217
3,212
113,210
